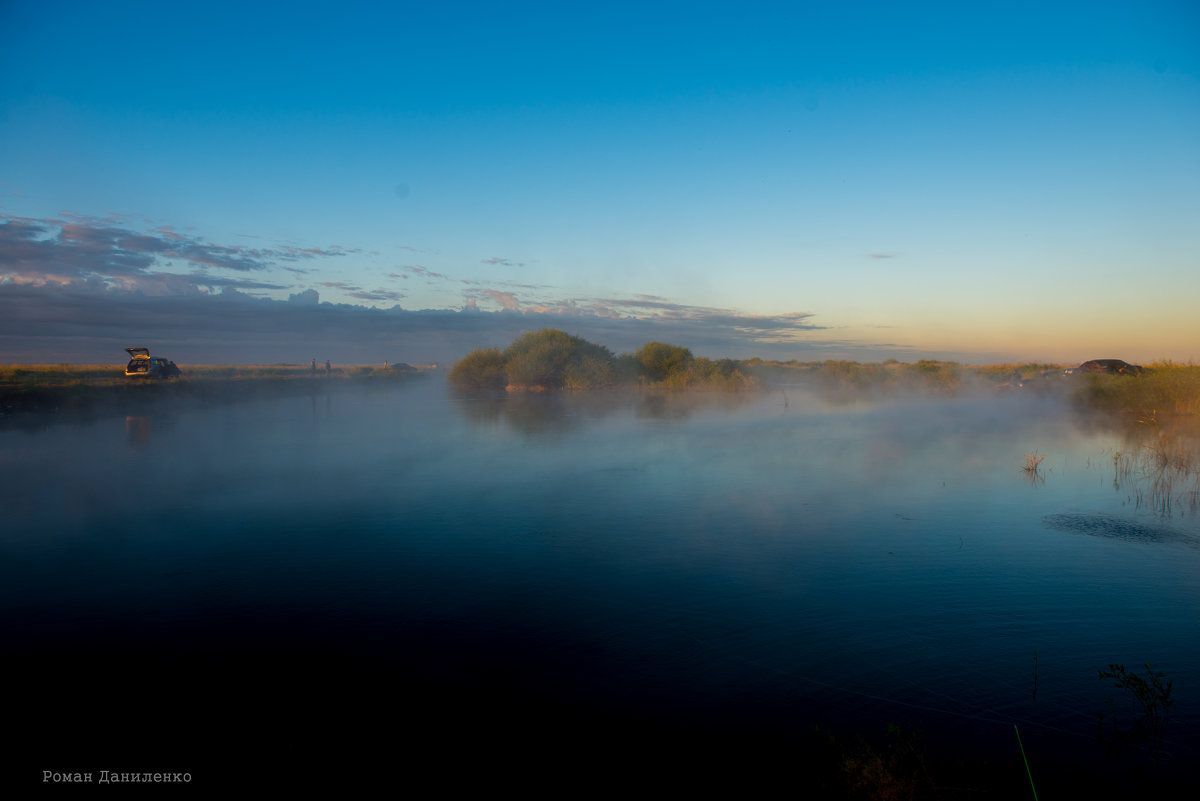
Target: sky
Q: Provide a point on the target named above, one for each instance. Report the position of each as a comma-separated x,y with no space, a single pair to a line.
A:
267,182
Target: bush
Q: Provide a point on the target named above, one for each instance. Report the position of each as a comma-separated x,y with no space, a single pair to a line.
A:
553,359
663,362
482,368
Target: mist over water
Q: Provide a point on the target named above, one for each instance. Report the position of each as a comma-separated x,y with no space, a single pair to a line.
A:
275,577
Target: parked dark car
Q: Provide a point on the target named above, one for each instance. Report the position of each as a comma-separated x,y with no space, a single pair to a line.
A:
141,365
1107,367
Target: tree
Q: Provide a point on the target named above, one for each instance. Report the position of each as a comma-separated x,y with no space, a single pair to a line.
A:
661,362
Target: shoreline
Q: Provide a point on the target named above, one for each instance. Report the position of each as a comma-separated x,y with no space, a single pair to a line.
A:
38,392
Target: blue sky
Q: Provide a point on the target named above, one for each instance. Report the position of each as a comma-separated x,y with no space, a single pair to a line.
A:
366,181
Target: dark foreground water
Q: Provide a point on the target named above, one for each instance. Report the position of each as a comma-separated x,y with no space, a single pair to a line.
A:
513,590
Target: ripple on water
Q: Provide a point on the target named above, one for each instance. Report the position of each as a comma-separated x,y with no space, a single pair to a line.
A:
1119,528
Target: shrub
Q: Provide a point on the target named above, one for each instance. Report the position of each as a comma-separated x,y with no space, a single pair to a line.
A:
481,368
663,362
553,358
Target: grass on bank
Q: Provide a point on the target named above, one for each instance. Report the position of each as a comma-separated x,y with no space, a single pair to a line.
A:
1165,389
38,389
27,376
552,359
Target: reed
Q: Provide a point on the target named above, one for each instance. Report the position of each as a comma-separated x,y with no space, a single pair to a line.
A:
1153,695
1164,390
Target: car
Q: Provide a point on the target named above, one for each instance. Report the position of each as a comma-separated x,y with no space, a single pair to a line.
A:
1105,366
141,365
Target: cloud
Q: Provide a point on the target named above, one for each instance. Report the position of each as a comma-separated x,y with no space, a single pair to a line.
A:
94,322
81,289
500,261
881,255
309,297
86,249
424,272
378,294
507,300
629,322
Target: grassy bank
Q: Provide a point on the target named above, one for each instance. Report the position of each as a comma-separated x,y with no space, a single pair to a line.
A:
45,389
1163,390
551,359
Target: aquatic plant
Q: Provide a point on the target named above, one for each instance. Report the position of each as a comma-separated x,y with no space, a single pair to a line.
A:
1033,462
1153,695
1160,466
895,769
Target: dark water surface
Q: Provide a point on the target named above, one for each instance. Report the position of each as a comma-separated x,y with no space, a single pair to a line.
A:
408,578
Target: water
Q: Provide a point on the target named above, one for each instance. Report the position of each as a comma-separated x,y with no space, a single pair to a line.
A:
411,572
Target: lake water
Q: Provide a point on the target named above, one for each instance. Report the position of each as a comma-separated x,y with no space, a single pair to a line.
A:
417,577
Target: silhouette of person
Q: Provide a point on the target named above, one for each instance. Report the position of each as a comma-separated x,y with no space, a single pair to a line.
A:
328,368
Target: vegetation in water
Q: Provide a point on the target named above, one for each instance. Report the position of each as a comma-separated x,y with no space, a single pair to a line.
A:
1152,695
553,359
1159,466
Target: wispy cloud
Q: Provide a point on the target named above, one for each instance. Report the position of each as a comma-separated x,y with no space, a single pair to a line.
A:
94,321
345,286
378,294
407,270
76,285
73,249
500,261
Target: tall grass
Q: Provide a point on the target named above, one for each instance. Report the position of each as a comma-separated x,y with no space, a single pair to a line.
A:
1165,389
38,389
1160,465
28,376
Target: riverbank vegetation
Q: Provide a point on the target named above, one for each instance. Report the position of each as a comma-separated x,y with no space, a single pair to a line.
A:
552,359
36,389
17,376
1163,390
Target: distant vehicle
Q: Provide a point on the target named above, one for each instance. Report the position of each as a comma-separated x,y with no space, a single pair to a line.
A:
142,366
1105,366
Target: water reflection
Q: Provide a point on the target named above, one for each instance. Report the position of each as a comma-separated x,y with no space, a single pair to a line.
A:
1159,466
554,414
660,553
138,429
